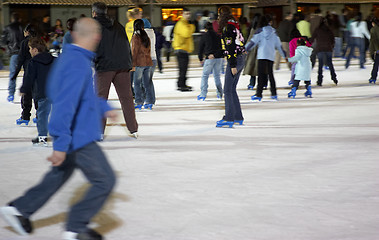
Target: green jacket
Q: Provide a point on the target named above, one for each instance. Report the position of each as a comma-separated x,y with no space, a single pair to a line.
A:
374,40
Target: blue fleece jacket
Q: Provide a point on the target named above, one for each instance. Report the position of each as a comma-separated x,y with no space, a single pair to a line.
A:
267,41
76,114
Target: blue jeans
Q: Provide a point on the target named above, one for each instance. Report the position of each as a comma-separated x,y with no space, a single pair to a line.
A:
211,65
152,89
232,104
337,46
360,44
142,76
43,112
91,160
374,71
328,57
12,70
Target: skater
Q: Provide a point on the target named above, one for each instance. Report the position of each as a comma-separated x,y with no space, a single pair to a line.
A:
183,46
251,64
374,49
12,37
324,50
132,14
153,54
358,30
303,68
23,61
75,125
112,63
210,46
35,80
142,63
233,45
267,41
284,30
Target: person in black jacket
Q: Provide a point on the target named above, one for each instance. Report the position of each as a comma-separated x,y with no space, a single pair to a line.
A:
23,61
12,37
210,46
284,31
113,63
35,81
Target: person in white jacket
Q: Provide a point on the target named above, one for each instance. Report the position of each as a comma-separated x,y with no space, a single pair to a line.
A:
358,32
151,34
303,68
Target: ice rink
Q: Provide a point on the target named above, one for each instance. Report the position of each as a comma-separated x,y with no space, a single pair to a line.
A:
298,169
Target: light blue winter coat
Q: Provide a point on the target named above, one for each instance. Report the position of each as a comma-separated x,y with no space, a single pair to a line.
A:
303,67
267,41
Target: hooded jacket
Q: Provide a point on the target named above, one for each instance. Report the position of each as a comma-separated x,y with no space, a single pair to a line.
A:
12,37
113,53
303,67
374,40
232,42
324,38
183,36
35,78
267,42
76,114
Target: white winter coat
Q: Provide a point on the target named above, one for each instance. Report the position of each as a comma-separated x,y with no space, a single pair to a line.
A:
303,67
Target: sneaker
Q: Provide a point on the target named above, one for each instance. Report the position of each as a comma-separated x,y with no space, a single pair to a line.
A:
200,98
15,219
40,140
22,121
88,235
255,98
10,98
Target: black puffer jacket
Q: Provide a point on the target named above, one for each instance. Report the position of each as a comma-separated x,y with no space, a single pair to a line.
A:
210,43
12,37
113,53
35,77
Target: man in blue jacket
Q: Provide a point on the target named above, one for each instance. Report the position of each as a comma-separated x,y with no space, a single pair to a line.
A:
75,125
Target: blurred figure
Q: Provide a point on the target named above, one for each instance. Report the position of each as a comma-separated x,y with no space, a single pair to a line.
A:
132,15
335,26
159,43
12,37
45,28
112,63
168,33
183,46
374,49
358,33
57,35
153,54
303,26
210,46
284,30
67,38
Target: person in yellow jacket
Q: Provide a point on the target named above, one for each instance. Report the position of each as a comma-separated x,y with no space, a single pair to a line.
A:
132,15
183,45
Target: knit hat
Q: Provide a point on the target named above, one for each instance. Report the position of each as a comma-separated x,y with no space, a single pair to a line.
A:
146,23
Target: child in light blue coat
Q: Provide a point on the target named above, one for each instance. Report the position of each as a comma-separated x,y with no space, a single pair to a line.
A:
303,68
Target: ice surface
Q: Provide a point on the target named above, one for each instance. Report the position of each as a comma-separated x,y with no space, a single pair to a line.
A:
298,169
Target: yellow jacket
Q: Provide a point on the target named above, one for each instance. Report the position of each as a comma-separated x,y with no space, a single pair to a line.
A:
183,36
129,29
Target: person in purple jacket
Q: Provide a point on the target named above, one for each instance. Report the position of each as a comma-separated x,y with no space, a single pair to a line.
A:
75,125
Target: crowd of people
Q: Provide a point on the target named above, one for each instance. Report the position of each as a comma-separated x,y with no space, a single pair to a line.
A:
67,89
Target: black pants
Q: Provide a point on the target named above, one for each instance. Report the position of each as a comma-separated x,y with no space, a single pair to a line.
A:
297,82
374,72
183,60
26,105
265,73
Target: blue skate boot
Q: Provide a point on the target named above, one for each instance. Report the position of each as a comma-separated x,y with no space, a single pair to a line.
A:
200,98
250,87
148,106
10,98
290,82
292,94
21,121
35,120
274,97
138,106
373,81
255,98
223,123
308,93
239,122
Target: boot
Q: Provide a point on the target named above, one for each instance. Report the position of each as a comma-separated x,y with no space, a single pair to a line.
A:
292,94
308,93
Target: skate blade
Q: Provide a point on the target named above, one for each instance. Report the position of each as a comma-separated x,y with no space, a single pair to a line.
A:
10,216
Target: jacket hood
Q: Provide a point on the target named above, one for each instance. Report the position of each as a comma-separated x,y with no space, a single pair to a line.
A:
44,58
104,21
268,31
304,50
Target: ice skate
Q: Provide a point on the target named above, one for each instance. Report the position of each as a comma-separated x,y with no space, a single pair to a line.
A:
219,97
292,94
138,106
10,98
335,81
274,97
134,135
40,141
200,98
35,120
21,121
238,122
148,106
88,235
308,93
255,98
15,219
223,123
250,87
372,81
